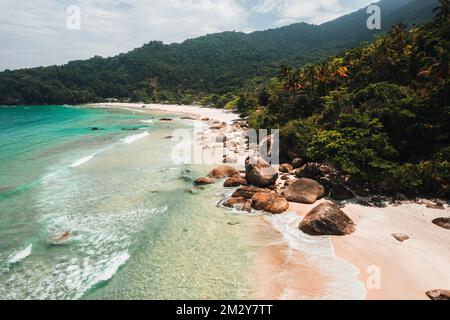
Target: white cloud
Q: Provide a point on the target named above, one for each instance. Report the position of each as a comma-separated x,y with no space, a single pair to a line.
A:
311,11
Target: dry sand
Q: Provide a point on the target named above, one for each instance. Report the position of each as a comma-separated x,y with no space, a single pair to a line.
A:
408,269
197,111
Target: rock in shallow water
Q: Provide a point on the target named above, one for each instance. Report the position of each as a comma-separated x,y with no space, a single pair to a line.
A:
223,172
204,181
269,202
327,219
240,203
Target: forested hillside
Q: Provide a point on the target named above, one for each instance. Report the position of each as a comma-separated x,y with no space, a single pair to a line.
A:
379,113
213,64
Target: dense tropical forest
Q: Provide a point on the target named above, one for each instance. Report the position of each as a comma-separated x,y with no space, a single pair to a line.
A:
201,70
379,113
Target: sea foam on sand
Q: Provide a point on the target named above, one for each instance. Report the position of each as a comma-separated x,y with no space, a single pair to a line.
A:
133,138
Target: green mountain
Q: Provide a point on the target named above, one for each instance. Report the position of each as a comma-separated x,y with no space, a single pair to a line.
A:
216,63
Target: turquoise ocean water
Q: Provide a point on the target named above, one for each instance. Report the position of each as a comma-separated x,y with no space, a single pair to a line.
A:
138,229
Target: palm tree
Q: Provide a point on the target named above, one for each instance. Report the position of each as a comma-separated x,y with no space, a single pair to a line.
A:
443,10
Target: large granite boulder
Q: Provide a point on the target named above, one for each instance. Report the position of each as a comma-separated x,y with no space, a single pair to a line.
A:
304,191
223,172
248,192
327,219
260,174
235,181
269,202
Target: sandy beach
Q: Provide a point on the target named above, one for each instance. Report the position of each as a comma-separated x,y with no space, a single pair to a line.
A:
369,264
196,111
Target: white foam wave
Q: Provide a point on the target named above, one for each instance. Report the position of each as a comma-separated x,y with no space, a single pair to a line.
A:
20,254
133,138
108,272
83,160
147,121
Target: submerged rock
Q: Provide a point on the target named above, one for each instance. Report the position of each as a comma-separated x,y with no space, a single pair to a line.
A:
304,191
439,294
327,219
166,119
61,239
442,222
269,202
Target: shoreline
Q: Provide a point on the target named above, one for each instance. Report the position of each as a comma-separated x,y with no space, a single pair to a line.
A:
196,111
407,269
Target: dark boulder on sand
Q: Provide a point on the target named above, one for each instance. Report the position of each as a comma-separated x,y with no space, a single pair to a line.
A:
327,219
297,163
401,237
315,171
305,191
260,174
442,222
340,192
439,294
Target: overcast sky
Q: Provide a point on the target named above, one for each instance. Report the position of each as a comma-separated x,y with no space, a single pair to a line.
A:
35,33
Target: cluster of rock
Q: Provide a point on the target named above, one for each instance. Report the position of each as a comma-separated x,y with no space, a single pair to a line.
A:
262,187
